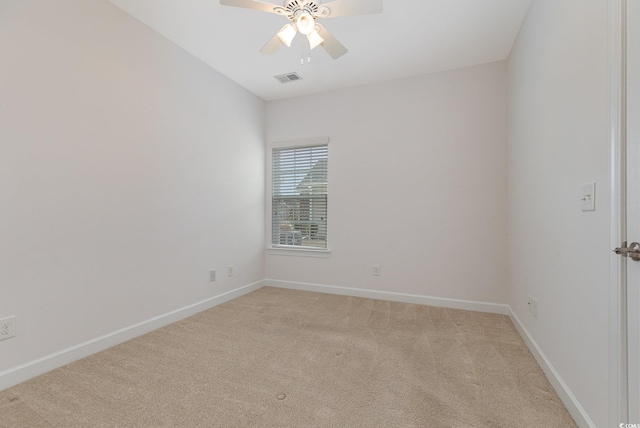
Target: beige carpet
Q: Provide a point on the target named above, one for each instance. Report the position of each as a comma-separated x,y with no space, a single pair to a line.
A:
283,358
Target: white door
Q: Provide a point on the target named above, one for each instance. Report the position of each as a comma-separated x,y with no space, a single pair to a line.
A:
633,205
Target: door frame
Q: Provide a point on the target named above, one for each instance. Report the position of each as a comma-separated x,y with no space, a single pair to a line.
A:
618,373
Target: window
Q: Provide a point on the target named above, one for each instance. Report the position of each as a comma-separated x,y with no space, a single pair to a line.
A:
299,196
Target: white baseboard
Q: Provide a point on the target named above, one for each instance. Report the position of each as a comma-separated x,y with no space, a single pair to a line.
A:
494,308
23,372
563,391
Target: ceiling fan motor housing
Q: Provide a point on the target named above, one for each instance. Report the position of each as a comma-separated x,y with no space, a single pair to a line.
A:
294,8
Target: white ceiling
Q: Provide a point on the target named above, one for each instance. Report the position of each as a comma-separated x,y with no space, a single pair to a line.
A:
410,37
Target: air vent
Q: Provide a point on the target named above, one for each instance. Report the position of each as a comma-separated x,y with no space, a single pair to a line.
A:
289,77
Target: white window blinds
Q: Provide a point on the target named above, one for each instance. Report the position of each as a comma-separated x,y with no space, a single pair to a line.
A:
299,197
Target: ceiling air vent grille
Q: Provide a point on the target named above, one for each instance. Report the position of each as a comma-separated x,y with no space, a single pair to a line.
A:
289,77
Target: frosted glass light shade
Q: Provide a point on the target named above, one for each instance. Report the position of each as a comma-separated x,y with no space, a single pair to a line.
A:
287,33
305,23
314,39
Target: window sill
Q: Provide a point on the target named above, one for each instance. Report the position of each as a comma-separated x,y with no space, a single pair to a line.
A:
299,252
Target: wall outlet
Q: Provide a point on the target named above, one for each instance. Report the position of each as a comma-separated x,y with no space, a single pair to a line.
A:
534,305
376,270
7,328
212,276
230,270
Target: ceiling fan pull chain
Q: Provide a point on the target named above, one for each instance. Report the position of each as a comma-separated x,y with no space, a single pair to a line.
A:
305,50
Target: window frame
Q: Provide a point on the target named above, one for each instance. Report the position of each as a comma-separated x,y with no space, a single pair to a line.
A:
292,249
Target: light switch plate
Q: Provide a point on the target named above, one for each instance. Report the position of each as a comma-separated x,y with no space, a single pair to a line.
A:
588,198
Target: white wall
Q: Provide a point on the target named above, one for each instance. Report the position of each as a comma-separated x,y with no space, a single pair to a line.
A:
128,170
558,141
417,184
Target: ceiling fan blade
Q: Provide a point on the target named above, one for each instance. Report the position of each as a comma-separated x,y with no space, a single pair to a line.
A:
272,46
251,4
334,48
350,7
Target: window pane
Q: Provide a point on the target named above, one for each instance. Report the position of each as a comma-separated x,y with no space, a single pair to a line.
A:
299,197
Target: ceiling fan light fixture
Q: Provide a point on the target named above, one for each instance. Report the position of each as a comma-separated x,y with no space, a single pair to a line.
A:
302,16
314,39
305,23
287,33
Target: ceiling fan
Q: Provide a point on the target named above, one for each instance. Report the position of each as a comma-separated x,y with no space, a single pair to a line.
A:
303,15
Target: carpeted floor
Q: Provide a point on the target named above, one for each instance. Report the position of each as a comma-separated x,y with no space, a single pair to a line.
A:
284,358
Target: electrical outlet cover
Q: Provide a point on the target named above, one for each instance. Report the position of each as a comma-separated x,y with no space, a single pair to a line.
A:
7,328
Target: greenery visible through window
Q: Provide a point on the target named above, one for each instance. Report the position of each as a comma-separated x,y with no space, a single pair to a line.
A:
299,197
